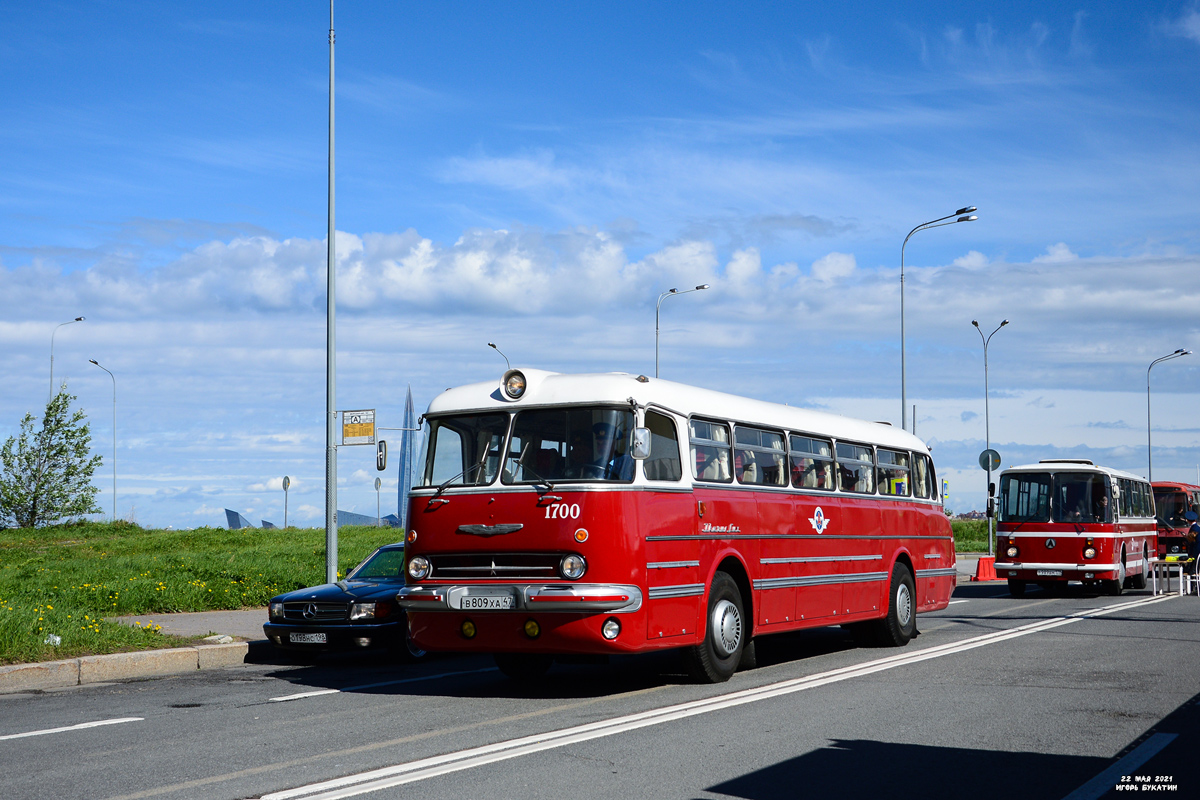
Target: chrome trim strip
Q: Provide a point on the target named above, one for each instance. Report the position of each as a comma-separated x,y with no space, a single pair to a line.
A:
683,590
936,573
796,536
1074,567
814,559
933,556
671,564
576,597
491,530
819,580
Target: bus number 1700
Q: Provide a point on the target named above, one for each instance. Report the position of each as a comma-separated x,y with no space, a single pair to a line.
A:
563,511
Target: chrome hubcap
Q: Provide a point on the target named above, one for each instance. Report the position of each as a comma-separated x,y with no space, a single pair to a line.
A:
726,627
903,605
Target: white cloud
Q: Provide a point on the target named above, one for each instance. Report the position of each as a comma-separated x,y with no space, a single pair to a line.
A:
972,260
1187,26
833,267
1056,254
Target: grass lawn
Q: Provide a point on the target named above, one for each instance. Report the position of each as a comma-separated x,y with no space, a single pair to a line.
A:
65,579
970,535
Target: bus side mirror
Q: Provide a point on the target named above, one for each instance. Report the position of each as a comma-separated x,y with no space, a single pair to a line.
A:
641,443
381,455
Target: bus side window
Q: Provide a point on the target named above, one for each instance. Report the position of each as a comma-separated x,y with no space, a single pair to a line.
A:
664,463
710,451
855,468
892,473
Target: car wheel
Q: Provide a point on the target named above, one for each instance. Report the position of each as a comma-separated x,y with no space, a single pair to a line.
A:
716,658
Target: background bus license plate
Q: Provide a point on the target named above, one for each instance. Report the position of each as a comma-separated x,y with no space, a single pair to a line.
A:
306,638
1050,572
491,602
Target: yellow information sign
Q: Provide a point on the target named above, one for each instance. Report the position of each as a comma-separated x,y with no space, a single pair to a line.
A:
358,427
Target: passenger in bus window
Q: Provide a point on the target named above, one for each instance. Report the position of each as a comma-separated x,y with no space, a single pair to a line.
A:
579,456
611,460
1100,512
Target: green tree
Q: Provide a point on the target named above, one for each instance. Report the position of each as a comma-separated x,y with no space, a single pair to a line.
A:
47,474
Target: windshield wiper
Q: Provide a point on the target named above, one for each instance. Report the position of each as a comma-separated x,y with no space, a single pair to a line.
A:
540,480
449,481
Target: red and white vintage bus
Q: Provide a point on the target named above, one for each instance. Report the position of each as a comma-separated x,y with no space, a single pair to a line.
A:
1069,520
1171,501
600,514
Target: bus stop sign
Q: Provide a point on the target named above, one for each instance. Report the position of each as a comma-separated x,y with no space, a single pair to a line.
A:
989,459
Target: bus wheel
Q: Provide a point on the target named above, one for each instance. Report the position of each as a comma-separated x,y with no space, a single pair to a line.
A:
900,624
716,658
1139,581
1016,588
523,667
1115,587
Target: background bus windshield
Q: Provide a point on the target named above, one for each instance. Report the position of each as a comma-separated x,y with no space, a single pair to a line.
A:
1078,497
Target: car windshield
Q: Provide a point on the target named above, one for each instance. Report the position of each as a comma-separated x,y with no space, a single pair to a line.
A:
570,444
1081,497
1170,507
382,565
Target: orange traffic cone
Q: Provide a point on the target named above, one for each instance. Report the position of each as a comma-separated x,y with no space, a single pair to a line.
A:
985,570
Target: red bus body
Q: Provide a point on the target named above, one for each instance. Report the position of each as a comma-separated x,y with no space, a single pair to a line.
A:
1171,501
1066,536
801,557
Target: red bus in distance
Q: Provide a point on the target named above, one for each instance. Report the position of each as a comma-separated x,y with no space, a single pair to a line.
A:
1171,501
612,513
1067,520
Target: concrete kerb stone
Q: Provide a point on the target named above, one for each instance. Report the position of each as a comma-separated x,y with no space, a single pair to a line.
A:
119,666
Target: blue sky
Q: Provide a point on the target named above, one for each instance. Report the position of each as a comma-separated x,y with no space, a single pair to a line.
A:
534,174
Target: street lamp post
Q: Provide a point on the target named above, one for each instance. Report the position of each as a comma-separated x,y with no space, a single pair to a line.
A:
331,525
114,383
378,518
68,322
1149,455
661,297
987,424
924,226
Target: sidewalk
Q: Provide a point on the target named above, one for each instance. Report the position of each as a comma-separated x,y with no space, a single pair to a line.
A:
236,637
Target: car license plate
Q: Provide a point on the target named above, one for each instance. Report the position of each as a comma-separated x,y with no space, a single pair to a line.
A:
1050,572
486,601
306,638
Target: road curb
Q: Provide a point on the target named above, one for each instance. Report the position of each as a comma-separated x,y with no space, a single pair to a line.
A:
123,666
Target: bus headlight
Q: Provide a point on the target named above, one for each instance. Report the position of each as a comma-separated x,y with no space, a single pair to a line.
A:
1012,551
1089,552
611,628
514,384
572,566
418,567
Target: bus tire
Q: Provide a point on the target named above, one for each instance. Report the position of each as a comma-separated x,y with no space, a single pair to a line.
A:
749,656
409,651
523,667
716,658
1016,588
1115,587
1139,581
900,624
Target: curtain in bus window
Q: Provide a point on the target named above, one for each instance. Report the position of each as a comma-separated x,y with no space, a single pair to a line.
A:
1081,497
568,444
812,463
664,463
710,451
856,468
464,450
759,457
892,473
1025,497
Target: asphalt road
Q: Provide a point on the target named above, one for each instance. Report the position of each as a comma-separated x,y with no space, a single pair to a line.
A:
998,698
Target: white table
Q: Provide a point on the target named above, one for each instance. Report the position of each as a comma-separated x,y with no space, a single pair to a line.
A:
1162,568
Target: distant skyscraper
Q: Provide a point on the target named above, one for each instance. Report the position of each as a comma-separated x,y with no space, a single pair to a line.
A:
405,460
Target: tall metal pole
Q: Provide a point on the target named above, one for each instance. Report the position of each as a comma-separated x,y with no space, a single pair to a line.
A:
658,306
933,223
114,383
331,524
68,322
987,426
1149,452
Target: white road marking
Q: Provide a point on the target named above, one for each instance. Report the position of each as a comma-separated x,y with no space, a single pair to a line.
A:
387,777
78,727
1104,782
320,692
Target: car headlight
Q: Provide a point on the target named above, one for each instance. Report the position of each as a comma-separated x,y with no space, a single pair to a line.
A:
276,611
572,566
1012,551
418,567
370,610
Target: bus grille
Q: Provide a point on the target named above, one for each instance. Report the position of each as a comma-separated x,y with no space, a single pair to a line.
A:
314,612
504,566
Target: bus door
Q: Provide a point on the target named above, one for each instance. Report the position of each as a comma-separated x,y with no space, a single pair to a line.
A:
817,521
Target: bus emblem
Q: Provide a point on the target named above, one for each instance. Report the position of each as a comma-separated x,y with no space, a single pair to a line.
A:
818,521
1050,544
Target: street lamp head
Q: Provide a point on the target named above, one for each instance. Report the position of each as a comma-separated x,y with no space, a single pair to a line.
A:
1002,324
80,319
94,361
672,291
966,210
975,322
971,218
702,286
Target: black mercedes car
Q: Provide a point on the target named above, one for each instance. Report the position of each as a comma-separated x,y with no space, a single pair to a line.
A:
357,613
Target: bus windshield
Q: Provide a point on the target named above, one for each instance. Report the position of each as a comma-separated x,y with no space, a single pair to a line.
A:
1025,497
464,450
570,444
1081,497
1170,506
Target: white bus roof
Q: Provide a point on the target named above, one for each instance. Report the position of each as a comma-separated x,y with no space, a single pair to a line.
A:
1072,465
617,388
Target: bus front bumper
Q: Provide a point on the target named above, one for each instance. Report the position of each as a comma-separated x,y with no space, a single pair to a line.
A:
504,597
1033,571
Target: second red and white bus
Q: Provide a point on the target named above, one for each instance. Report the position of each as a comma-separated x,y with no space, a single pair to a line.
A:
613,513
1172,500
1067,520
